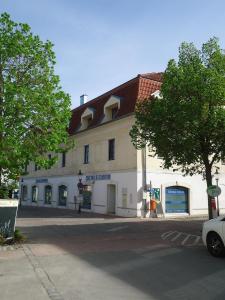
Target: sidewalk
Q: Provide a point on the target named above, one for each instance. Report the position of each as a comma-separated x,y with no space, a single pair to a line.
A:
18,279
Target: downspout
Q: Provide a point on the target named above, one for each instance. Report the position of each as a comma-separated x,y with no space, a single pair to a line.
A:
144,177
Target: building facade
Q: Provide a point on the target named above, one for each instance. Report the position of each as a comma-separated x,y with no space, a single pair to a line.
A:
114,174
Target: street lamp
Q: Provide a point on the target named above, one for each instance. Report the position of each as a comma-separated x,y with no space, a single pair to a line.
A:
217,198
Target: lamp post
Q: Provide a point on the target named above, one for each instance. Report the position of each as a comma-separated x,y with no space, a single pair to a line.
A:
217,198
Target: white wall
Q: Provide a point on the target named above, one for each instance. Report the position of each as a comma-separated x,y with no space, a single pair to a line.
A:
198,201
55,182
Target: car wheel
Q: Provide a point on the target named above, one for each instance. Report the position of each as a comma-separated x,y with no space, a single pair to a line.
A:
215,245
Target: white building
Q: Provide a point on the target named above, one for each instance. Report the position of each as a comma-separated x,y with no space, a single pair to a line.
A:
114,173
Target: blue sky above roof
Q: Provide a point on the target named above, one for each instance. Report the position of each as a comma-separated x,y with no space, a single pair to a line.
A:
100,44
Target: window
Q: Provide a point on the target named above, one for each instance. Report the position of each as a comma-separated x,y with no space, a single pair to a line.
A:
36,167
87,117
34,195
63,159
86,154
49,156
112,149
114,112
24,193
111,108
62,195
48,194
89,120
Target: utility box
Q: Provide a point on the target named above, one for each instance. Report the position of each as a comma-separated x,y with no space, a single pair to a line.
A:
8,213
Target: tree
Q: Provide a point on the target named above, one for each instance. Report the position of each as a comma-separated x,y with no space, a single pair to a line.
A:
34,111
186,124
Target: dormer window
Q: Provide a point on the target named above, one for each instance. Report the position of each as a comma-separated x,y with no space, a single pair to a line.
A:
111,108
87,118
114,111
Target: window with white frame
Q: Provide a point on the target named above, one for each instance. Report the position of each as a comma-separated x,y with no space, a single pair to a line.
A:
87,118
48,194
62,195
34,195
111,108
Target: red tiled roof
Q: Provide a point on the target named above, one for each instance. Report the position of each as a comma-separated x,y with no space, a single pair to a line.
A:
138,88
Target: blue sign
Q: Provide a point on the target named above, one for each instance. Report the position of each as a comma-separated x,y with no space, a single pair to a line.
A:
98,177
176,200
42,180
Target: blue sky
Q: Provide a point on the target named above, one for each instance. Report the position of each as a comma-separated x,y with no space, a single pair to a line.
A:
100,44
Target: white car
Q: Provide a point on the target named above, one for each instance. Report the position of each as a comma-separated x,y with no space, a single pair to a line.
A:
213,236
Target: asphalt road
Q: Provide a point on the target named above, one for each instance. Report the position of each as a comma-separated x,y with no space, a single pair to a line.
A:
89,256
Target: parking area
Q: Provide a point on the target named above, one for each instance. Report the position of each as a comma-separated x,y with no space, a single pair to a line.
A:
90,256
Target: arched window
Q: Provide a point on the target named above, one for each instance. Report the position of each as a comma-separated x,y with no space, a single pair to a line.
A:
34,195
24,192
62,195
48,194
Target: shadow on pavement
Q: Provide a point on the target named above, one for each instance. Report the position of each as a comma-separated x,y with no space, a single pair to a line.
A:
135,257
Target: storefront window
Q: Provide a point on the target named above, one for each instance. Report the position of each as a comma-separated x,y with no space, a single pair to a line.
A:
34,193
62,195
48,194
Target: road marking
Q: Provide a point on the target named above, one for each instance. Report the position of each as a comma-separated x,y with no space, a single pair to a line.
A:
117,228
165,235
147,259
162,253
149,248
184,238
197,240
177,236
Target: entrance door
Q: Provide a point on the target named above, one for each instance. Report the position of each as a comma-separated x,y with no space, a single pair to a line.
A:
176,199
111,198
87,193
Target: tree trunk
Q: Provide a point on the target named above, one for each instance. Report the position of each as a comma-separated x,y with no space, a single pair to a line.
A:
208,170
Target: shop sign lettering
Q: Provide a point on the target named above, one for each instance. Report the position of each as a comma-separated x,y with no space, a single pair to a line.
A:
98,177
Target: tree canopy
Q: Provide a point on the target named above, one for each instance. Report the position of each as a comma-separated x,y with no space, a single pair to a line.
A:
186,124
34,110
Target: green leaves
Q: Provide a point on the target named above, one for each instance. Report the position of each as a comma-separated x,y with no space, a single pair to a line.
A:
34,111
187,126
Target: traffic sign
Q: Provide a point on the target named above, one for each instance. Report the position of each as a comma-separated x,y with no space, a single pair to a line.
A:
214,190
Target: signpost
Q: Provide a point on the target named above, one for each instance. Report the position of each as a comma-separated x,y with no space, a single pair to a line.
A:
8,212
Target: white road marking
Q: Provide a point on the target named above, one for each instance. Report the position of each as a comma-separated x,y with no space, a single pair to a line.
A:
147,259
197,240
149,248
117,228
165,235
185,240
177,236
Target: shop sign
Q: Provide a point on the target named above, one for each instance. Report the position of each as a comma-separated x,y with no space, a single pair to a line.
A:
98,177
41,180
155,193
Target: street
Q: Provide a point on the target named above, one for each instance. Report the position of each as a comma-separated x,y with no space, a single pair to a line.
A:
89,256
